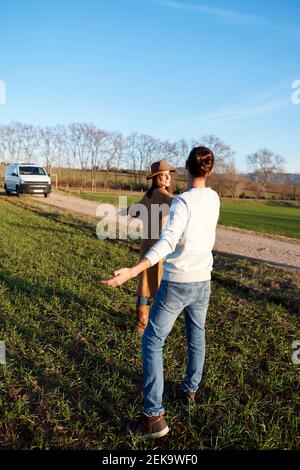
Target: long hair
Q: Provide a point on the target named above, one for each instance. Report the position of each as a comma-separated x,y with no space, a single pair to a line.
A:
154,185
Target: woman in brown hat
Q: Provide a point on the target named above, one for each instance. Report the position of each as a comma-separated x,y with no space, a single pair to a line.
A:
159,193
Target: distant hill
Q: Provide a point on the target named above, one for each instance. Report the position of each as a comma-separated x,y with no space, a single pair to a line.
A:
279,178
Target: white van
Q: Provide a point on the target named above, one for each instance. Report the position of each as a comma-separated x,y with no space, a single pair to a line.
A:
26,178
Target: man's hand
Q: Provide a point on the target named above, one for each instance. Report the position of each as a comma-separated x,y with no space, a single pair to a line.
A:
120,276
124,274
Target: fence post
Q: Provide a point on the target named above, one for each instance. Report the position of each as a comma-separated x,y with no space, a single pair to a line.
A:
54,174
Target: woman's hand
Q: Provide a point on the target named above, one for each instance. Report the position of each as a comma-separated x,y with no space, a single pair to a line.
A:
120,276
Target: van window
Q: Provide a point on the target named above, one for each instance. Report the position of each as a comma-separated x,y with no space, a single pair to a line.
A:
13,169
32,170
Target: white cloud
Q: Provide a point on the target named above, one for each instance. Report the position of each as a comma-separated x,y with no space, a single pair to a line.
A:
276,100
235,18
243,111
225,15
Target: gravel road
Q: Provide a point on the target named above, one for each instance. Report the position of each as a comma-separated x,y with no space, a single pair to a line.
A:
277,251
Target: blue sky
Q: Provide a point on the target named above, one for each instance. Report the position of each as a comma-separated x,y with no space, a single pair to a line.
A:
166,68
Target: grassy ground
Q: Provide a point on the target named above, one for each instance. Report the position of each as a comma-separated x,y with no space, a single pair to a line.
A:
271,217
73,371
110,198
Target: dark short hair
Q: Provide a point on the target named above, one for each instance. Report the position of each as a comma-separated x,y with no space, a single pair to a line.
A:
200,161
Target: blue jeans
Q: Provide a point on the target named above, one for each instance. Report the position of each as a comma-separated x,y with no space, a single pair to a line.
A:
171,299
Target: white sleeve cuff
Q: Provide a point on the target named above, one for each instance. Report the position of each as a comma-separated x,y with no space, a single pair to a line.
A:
159,251
152,256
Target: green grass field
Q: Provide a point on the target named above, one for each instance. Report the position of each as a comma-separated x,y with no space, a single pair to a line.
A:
110,198
73,371
271,217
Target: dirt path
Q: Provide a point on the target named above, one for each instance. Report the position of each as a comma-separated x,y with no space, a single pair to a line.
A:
278,251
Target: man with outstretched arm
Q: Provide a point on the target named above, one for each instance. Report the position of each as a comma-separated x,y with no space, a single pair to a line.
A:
187,242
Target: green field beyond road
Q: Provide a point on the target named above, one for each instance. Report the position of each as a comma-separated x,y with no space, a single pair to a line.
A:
270,217
109,198
275,218
73,374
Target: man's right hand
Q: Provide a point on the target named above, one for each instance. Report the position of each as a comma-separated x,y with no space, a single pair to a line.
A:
120,276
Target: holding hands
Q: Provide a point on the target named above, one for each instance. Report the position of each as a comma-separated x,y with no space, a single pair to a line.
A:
124,274
120,276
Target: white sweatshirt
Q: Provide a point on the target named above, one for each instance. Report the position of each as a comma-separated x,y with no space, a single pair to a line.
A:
188,237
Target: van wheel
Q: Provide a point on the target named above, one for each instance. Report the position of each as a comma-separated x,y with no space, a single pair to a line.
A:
18,191
6,190
45,194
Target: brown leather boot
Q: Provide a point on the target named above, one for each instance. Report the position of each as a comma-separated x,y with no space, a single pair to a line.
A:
142,317
148,427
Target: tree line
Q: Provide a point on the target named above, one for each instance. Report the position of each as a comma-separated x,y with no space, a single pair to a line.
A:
86,147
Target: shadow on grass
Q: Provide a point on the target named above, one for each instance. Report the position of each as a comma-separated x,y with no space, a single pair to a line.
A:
295,204
37,227
80,361
257,281
257,260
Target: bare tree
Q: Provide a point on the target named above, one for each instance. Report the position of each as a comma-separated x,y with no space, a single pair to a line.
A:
224,155
47,142
183,150
167,151
98,145
147,149
12,140
141,151
295,192
52,146
77,141
3,149
132,158
264,163
113,152
2,152
29,137
60,135
233,182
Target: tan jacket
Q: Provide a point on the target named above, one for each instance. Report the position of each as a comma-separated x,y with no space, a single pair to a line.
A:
149,280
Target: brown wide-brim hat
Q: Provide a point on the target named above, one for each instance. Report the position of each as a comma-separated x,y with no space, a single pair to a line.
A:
159,167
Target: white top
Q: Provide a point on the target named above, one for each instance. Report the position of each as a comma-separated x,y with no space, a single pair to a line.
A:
188,237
